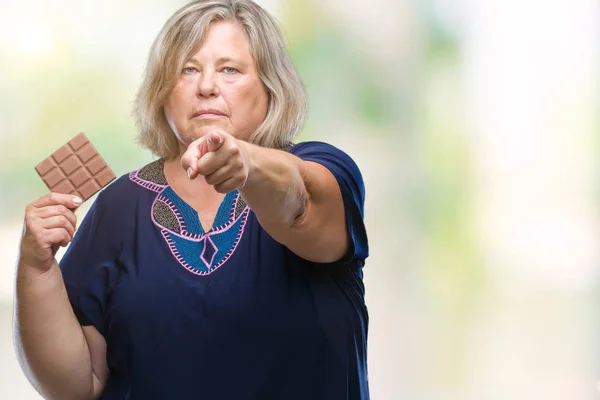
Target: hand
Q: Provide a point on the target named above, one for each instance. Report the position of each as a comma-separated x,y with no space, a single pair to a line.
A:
222,159
49,223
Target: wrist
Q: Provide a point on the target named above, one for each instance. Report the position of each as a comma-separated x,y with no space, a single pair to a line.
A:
249,155
31,266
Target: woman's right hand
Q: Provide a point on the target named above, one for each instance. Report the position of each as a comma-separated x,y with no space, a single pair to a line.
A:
49,223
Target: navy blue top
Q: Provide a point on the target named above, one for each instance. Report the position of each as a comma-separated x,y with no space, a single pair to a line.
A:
228,314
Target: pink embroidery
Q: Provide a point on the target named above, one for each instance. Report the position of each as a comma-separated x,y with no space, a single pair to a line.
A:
207,241
185,234
155,187
183,229
165,234
237,239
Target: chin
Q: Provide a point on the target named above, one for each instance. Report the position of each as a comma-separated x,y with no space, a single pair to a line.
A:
188,137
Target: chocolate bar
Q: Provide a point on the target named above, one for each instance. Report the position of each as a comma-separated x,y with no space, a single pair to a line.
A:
75,168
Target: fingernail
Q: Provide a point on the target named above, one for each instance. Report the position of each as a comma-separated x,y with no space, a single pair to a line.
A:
77,200
189,172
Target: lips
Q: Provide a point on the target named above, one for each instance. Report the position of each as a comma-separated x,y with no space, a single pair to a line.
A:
208,112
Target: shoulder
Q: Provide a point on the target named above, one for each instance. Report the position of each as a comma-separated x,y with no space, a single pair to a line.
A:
316,151
340,163
123,192
314,146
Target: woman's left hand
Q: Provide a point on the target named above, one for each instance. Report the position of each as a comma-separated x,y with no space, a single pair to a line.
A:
222,159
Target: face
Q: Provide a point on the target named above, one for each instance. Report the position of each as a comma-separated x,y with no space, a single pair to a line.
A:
218,88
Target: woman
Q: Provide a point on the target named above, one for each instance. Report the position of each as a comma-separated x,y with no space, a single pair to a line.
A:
231,267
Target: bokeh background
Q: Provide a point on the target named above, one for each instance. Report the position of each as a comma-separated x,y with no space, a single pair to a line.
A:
475,123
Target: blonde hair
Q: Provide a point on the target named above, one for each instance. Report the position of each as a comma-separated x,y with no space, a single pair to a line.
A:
179,39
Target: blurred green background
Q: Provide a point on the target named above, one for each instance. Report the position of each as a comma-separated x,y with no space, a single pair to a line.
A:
474,123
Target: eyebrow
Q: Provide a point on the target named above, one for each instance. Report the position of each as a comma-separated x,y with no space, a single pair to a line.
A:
220,60
224,60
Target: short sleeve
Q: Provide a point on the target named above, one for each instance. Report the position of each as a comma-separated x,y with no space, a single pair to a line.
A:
352,187
89,266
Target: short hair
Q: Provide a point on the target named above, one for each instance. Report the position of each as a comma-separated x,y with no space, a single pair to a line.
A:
176,43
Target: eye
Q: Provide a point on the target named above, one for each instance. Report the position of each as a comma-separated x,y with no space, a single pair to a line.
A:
230,70
189,70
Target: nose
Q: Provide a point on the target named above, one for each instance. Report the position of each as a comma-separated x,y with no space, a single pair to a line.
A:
207,85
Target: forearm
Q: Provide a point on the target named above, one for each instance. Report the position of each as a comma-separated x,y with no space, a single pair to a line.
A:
275,189
298,203
49,341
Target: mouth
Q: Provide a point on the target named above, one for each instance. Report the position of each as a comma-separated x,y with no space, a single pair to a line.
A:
208,113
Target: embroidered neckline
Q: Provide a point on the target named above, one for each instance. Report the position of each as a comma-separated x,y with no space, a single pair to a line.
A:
152,177
197,251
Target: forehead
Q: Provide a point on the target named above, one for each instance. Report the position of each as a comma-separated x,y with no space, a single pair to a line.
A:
224,39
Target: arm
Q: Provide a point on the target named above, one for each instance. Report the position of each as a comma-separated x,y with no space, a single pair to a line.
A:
299,203
50,343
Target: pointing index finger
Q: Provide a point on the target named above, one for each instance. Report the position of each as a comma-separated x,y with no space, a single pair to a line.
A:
189,160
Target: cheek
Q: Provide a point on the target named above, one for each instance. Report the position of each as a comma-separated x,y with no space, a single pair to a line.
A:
175,106
170,105
253,101
180,94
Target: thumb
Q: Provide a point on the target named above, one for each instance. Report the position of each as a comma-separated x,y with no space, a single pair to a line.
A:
215,141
